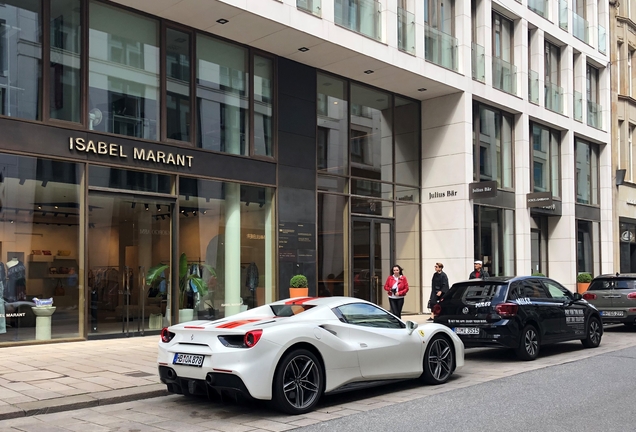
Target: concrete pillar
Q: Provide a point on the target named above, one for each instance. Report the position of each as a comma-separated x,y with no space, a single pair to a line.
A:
232,248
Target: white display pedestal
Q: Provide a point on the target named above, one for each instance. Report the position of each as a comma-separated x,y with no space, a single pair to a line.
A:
43,321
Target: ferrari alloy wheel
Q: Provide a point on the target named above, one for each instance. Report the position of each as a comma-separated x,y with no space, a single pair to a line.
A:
298,382
594,333
438,361
529,344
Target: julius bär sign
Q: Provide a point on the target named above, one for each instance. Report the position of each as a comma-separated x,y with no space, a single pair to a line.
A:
82,145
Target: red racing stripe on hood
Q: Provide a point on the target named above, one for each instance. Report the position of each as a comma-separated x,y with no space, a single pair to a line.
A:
300,300
233,324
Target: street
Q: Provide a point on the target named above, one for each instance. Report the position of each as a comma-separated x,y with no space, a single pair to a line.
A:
565,389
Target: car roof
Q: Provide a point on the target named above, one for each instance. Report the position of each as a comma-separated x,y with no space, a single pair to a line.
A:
334,301
502,279
617,276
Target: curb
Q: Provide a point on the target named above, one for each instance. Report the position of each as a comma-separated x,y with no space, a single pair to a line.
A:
89,400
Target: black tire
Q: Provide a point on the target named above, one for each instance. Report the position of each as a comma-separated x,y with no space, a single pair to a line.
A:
298,382
594,333
439,361
528,344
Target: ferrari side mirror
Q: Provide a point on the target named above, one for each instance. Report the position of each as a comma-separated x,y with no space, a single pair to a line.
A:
411,326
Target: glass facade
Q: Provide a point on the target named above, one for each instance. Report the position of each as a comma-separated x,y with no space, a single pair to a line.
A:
493,152
178,79
41,252
588,247
545,160
494,239
586,172
21,59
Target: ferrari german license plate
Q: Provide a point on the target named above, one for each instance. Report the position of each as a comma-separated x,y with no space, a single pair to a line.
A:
466,330
612,313
188,360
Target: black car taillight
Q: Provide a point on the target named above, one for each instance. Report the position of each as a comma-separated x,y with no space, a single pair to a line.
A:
166,336
507,310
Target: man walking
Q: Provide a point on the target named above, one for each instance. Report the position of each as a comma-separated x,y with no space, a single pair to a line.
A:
479,273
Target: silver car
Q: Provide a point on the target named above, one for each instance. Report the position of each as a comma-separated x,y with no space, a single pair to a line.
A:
615,298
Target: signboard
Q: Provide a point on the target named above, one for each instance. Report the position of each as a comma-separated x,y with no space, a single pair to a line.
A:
296,242
486,189
539,199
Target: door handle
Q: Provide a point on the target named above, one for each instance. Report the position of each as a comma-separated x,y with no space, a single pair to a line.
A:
363,345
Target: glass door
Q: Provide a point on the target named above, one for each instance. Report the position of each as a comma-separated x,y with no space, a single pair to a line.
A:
129,261
373,256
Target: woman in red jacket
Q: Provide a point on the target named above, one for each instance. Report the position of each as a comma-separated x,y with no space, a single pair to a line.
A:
396,286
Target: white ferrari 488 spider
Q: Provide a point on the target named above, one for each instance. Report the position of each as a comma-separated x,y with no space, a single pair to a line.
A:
293,351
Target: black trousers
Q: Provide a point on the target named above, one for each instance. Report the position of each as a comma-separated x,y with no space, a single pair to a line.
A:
396,306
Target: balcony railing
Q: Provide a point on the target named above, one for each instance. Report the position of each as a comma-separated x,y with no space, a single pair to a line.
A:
580,28
504,76
578,106
533,87
406,31
361,16
539,7
594,115
602,40
563,14
479,62
311,6
440,48
554,97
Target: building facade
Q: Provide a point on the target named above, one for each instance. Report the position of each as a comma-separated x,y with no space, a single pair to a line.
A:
163,161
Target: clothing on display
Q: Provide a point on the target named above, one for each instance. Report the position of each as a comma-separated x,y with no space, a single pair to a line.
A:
3,322
16,281
251,276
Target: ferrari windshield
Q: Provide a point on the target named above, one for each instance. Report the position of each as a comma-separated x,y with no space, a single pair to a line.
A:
287,310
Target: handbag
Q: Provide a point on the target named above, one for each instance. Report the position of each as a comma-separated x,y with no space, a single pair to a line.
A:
59,289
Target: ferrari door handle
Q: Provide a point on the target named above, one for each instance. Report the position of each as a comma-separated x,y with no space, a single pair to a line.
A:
363,345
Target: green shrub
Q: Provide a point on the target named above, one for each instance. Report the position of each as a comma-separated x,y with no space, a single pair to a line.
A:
584,278
298,281
538,274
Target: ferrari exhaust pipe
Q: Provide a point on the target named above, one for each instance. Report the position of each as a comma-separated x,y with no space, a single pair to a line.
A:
209,379
171,374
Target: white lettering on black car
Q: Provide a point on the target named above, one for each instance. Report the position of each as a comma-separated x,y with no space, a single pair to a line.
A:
523,301
482,304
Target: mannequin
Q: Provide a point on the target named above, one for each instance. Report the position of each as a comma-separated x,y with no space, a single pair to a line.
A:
3,321
16,281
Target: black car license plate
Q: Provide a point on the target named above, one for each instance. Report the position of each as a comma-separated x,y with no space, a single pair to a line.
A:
188,360
612,313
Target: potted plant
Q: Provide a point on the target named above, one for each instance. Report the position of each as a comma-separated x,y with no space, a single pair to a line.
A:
583,282
538,274
157,274
298,286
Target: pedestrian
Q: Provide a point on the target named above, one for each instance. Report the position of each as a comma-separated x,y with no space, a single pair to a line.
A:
479,273
396,286
439,286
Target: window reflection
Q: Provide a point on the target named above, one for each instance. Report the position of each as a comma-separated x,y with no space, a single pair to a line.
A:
124,72
263,98
178,85
332,125
586,173
20,54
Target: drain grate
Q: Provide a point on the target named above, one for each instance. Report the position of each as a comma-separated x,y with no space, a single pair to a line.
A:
138,374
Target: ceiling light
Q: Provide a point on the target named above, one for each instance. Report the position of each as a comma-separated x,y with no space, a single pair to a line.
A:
158,207
303,49
39,207
368,71
421,89
335,102
222,21
146,207
11,220
56,207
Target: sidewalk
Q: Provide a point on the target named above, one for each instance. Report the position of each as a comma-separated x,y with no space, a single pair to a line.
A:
42,379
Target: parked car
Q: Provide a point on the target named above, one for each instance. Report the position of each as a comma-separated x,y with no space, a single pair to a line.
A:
522,313
615,298
293,351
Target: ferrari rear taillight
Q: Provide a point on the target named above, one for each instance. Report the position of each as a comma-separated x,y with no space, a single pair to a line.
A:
589,296
437,309
252,337
507,310
166,336
631,296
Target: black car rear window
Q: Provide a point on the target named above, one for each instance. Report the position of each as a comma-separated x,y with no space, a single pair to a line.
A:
476,293
609,284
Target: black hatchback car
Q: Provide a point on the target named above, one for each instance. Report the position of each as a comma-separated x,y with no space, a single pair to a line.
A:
521,313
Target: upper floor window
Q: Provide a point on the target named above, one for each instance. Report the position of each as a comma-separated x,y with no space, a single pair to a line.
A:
440,45
492,151
586,156
504,72
545,160
552,69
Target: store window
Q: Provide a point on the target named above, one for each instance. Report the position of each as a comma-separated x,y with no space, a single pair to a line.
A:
492,151
545,160
332,245
586,155
494,239
65,60
627,239
40,249
333,127
124,72
222,96
20,58
588,247
226,233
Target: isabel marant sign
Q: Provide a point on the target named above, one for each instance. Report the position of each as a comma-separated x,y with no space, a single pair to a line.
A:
138,153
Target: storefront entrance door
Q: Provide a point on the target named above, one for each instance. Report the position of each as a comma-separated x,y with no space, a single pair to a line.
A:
373,256
128,237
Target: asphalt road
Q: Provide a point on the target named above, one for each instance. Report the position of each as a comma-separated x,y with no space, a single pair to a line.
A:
594,394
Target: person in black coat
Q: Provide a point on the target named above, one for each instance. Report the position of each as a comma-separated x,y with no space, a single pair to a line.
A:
439,286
